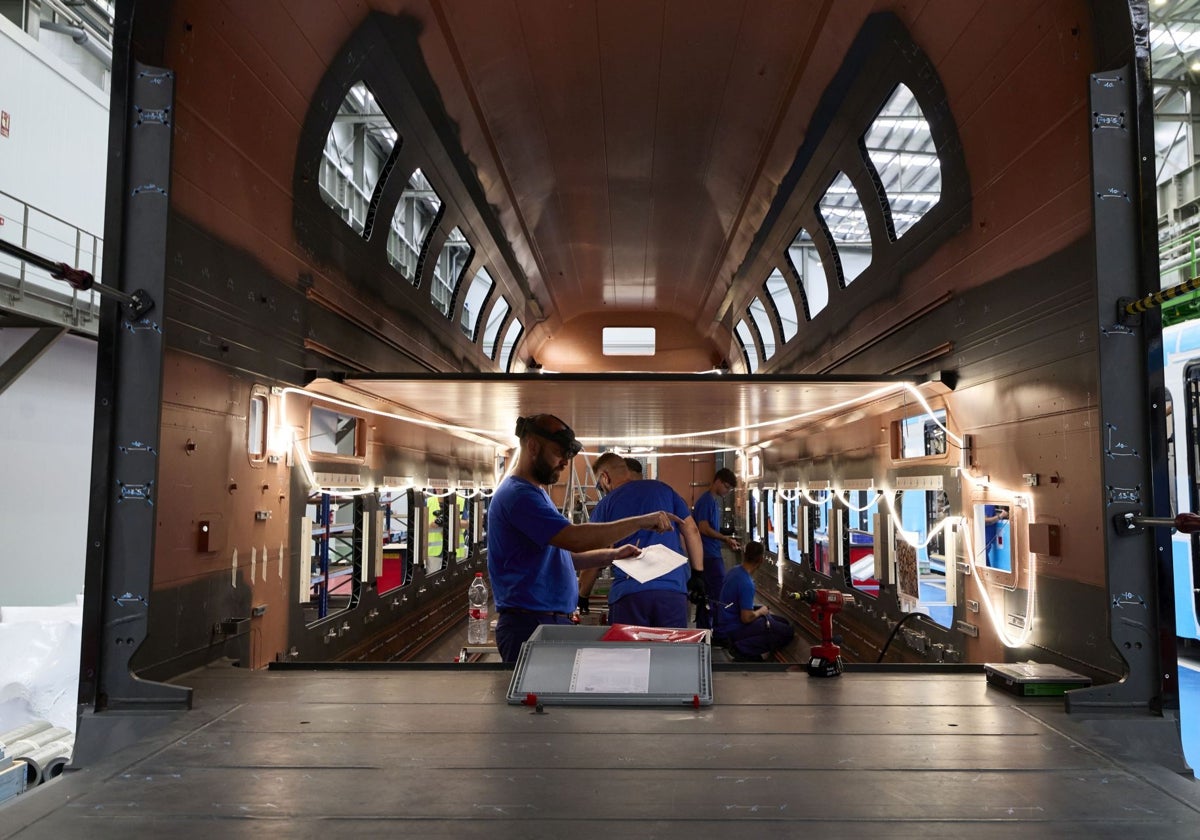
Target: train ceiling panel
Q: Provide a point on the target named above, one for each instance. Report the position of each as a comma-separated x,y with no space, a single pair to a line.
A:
702,413
633,135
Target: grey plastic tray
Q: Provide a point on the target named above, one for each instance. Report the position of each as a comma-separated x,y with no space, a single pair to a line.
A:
679,674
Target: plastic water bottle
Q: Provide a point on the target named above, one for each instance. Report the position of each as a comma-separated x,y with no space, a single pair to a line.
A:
477,611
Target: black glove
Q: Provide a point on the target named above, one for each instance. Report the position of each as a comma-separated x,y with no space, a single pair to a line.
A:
584,605
697,591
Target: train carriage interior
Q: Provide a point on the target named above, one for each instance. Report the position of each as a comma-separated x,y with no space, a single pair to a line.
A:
921,273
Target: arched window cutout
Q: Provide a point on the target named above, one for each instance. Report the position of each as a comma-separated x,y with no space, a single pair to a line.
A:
358,150
900,147
806,262
766,331
448,270
842,211
747,342
491,331
511,335
477,295
780,292
415,218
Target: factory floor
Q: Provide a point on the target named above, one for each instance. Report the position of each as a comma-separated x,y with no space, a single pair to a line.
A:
435,750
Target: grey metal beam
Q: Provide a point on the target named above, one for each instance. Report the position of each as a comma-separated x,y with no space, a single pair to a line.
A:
28,353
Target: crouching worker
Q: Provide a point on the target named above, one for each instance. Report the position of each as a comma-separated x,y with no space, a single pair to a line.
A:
749,629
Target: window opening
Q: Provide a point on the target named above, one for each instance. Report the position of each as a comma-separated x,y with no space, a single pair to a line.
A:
628,341
477,295
256,437
359,151
766,331
922,435
900,147
416,216
845,220
780,293
748,348
439,514
806,262
397,554
334,555
753,500
861,507
921,585
791,519
511,336
448,270
770,533
821,521
491,332
332,433
464,507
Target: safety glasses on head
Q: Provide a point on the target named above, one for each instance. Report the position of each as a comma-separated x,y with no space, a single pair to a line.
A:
564,437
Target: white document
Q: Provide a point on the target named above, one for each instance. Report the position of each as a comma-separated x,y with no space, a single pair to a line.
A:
654,561
623,670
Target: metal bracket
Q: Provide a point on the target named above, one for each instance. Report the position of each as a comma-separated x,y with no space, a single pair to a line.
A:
160,116
138,446
129,598
136,492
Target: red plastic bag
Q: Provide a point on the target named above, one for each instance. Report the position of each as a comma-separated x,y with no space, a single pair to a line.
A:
637,633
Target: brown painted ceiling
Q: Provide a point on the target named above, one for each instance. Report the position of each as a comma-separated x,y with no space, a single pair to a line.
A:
639,143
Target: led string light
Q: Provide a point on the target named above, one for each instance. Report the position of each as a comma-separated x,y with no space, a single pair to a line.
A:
837,494
909,537
829,409
912,538
808,498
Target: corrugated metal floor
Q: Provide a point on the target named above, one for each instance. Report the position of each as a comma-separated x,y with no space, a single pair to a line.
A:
438,752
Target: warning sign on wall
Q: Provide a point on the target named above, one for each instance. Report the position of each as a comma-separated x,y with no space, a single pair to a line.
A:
4,123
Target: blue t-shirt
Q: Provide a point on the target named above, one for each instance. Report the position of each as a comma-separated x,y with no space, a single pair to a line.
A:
527,572
635,498
737,594
707,510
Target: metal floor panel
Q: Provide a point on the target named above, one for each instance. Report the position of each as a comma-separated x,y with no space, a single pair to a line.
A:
324,754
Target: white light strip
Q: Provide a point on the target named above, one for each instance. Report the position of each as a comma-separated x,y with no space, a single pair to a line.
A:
828,409
843,497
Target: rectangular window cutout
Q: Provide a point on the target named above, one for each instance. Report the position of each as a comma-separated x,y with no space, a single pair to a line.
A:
919,437
332,433
628,341
256,440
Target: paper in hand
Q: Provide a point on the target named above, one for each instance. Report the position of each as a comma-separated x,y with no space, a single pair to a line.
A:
654,561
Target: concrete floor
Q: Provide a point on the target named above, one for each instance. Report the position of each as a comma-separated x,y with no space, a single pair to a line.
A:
436,751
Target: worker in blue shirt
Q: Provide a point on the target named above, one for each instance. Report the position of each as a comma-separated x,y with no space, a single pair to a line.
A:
750,629
661,601
588,577
707,515
533,550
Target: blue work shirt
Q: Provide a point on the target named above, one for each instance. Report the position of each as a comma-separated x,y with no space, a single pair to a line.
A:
737,594
527,572
708,509
635,498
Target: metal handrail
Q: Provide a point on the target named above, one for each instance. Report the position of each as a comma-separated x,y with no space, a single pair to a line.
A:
83,307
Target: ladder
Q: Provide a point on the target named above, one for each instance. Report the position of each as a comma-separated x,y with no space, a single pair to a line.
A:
580,497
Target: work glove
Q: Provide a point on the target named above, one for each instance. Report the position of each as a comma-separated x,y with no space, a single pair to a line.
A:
584,605
697,591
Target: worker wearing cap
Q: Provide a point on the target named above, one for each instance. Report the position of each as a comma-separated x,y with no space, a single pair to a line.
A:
660,601
533,550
